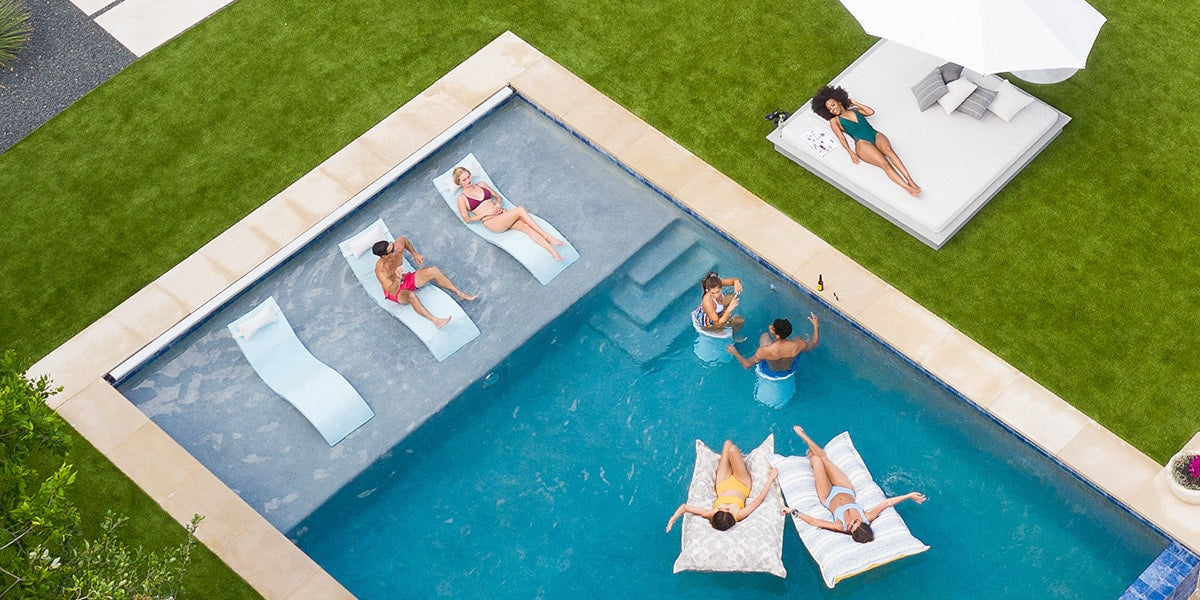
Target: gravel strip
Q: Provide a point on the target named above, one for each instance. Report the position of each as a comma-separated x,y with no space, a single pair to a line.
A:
67,56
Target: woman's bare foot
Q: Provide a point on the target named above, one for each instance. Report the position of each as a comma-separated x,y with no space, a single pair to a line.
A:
556,255
467,297
554,241
440,323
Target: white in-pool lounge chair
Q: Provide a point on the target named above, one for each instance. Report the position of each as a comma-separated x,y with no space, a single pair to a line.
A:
533,257
321,394
837,554
441,342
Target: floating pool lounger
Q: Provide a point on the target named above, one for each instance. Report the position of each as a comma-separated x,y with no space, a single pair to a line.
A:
320,393
755,544
532,256
838,555
441,342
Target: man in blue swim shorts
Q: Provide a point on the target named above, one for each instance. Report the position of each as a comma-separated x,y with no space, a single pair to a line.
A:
777,355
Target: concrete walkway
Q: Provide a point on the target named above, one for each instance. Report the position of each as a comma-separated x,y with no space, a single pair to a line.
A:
143,25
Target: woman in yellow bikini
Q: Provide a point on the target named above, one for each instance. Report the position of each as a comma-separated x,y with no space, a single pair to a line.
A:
733,490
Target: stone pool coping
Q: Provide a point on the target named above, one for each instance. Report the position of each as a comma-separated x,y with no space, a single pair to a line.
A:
242,538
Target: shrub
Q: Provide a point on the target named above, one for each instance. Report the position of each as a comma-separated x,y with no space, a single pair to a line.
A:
42,552
14,30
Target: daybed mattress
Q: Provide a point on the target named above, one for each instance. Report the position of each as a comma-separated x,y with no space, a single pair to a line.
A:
954,158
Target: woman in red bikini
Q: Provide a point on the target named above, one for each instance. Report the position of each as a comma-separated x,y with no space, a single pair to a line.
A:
733,490
479,202
400,286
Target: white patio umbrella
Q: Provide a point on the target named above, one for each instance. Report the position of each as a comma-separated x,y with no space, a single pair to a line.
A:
1045,39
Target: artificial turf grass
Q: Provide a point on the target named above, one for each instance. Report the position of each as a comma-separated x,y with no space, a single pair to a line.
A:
1080,273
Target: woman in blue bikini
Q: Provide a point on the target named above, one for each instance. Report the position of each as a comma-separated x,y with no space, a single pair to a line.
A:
847,117
840,499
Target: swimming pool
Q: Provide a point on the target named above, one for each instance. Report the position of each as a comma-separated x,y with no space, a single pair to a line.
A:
584,450
556,479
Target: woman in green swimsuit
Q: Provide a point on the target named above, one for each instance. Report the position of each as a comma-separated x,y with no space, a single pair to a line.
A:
850,118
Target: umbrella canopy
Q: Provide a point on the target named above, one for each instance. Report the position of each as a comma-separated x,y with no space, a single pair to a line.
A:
988,36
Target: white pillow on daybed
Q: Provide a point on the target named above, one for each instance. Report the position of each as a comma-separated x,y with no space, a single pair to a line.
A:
956,92
837,554
1009,101
755,544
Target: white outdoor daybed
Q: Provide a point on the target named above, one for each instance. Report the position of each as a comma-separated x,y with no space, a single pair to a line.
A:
960,162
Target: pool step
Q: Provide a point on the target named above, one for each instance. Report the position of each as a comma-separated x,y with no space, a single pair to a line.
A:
679,276
640,342
666,247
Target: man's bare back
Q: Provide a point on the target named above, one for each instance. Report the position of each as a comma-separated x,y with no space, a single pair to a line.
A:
778,350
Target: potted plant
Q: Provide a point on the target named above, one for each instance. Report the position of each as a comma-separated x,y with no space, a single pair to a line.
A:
1183,476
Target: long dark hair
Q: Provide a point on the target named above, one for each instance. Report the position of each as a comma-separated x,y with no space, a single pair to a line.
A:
722,520
863,534
824,95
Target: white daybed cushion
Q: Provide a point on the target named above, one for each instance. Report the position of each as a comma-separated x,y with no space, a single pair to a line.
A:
838,555
755,544
954,158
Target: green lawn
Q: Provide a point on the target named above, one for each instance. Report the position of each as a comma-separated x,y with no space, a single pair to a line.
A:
1082,272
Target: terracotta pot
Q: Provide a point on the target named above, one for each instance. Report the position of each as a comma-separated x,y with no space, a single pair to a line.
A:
1187,495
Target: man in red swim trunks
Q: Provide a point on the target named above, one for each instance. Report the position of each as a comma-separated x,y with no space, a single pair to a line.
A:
400,286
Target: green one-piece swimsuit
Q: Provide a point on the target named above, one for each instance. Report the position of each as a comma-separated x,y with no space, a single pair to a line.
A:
860,129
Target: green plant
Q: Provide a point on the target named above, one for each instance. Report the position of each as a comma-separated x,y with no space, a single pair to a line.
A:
1186,471
43,553
14,30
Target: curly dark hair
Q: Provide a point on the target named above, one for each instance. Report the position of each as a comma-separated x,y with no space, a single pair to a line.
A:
824,95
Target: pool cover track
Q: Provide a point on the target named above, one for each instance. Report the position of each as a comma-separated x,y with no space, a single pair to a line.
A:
242,538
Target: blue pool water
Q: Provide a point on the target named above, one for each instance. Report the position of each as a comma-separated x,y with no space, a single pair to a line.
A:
554,477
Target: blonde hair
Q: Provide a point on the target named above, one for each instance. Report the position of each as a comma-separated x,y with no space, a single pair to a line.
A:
457,174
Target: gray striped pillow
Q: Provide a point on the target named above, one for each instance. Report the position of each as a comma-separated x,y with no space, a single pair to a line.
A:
976,104
929,89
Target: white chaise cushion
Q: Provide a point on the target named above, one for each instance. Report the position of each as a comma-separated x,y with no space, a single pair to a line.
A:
264,317
363,241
